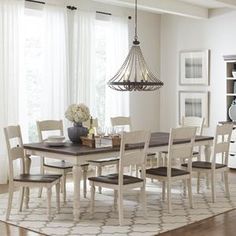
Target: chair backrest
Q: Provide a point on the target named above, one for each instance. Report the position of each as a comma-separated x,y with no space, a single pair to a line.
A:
222,142
193,121
121,121
49,125
14,148
136,156
87,123
179,150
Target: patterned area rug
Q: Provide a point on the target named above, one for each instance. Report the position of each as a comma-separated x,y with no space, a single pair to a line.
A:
105,220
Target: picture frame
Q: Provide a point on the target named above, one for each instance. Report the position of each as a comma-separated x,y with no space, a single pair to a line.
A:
194,103
194,67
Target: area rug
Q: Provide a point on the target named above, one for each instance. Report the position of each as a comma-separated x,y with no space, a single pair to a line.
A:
105,221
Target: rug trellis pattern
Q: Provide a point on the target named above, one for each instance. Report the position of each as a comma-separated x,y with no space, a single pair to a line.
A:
105,221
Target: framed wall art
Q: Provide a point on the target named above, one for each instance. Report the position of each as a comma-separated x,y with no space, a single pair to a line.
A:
192,103
194,67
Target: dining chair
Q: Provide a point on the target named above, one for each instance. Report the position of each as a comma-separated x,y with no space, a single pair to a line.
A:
188,121
220,146
61,167
176,150
120,182
119,121
25,180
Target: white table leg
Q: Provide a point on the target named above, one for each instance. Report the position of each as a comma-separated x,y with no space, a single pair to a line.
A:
76,205
207,151
27,171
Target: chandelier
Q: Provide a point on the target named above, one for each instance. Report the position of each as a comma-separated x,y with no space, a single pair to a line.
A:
134,74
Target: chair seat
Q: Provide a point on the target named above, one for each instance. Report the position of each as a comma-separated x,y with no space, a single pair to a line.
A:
204,165
151,154
37,178
162,171
194,153
113,179
60,165
104,160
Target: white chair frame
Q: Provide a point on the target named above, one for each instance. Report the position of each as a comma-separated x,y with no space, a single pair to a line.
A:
57,125
220,146
17,152
127,158
177,151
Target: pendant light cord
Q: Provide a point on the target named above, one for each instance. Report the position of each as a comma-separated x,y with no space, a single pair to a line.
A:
136,42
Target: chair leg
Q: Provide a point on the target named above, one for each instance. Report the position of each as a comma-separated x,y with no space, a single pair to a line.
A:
226,180
9,204
26,198
143,199
92,190
163,190
120,203
184,186
49,196
213,186
85,170
190,195
198,181
115,199
169,197
41,172
58,196
63,184
21,198
99,173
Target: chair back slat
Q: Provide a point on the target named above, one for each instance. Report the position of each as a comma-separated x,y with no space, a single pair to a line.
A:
193,121
49,125
181,151
15,149
221,143
133,157
121,121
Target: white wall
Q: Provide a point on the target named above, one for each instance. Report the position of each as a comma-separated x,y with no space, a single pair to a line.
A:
178,33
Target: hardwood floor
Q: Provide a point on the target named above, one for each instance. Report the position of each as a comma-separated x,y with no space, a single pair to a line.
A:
220,225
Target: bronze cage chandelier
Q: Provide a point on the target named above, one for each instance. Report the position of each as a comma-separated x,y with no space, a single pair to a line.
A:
134,74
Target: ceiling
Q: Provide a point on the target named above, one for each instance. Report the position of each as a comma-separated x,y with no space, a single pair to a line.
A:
210,4
199,9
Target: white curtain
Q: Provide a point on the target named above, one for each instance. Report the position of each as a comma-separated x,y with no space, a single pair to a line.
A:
82,58
55,79
11,12
117,103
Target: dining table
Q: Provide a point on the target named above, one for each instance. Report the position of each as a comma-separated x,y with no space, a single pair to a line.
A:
78,154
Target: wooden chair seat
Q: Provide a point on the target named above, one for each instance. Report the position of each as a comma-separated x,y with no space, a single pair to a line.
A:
204,165
162,171
100,161
194,153
36,178
114,179
61,165
151,154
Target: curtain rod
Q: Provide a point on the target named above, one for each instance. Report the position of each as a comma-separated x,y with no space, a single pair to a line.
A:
75,8
35,1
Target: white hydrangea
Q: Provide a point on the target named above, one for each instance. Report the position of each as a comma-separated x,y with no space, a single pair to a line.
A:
77,113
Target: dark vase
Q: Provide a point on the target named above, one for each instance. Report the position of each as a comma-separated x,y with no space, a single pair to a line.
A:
75,132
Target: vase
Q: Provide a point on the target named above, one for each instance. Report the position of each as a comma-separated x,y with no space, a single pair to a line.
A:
232,112
77,131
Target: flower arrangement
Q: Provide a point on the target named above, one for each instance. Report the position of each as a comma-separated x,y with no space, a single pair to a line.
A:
77,113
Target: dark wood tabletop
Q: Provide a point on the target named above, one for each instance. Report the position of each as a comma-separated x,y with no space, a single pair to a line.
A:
158,139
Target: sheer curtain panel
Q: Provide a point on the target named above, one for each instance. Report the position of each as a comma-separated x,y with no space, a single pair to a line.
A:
55,79
11,12
82,58
117,103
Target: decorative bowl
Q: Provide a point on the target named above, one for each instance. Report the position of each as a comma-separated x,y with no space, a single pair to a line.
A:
56,138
